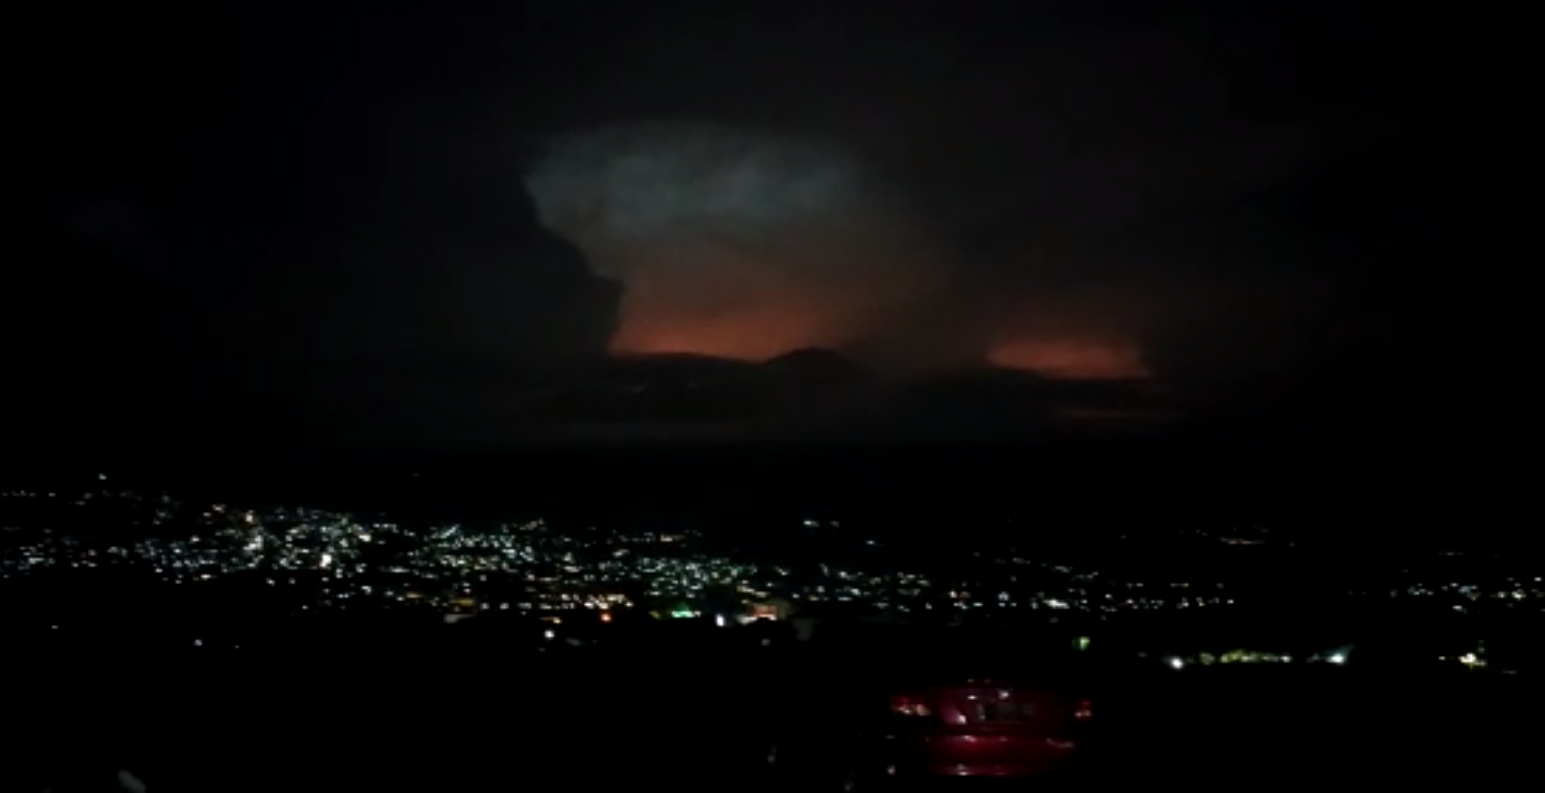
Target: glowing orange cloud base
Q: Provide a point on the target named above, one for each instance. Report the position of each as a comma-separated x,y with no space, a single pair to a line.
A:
755,334
736,306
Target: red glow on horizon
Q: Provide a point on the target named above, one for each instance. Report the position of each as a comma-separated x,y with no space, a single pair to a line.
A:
745,336
747,308
1073,358
750,333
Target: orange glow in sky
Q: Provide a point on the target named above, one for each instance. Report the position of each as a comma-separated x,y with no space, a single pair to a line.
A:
731,310
1073,358
733,305
750,335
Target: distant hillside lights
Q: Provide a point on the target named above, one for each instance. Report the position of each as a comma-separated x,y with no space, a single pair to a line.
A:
540,567
1471,660
1238,656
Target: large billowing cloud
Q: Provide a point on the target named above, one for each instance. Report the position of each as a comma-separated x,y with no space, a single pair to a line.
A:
745,244
748,244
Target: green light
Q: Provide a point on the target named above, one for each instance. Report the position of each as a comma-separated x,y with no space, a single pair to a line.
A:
1081,642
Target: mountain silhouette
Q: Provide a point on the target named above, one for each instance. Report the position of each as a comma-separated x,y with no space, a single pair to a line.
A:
821,395
815,365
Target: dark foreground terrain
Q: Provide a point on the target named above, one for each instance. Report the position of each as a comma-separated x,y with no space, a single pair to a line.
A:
697,718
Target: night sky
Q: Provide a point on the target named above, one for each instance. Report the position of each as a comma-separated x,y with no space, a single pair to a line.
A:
402,226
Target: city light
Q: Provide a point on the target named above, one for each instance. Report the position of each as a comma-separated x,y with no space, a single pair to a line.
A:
544,570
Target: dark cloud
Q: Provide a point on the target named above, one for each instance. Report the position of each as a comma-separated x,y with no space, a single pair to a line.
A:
1082,183
422,288
1334,328
324,224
